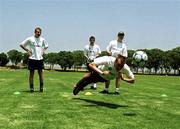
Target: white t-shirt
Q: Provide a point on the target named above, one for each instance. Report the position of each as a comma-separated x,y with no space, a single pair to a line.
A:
36,45
117,48
92,51
106,63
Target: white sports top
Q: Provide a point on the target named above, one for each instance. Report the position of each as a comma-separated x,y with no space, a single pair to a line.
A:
92,51
36,45
106,63
117,48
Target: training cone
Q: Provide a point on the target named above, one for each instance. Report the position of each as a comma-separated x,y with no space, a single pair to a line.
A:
164,95
17,93
88,93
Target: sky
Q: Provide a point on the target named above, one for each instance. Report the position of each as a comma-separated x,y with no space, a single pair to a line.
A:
68,24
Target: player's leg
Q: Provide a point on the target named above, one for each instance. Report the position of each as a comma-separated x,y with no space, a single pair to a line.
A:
106,91
93,85
41,78
31,68
31,81
87,79
118,79
40,67
130,77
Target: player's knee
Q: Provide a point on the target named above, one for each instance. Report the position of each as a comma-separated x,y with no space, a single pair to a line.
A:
86,75
133,80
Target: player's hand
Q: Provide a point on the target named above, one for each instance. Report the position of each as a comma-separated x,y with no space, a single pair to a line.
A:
109,53
42,52
121,76
29,52
106,72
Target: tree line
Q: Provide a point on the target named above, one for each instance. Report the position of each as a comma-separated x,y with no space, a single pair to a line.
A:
159,61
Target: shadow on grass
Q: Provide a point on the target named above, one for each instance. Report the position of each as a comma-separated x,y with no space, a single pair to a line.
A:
27,91
129,114
100,103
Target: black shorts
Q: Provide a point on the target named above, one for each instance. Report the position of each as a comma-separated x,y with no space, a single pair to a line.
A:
35,64
95,76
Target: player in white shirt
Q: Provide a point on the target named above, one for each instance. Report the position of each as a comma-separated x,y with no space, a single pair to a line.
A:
102,69
92,51
115,48
35,47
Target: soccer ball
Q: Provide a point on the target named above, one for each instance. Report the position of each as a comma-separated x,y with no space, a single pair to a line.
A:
140,56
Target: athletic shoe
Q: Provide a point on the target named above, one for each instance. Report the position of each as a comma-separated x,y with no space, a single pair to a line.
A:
41,90
104,92
77,89
31,90
94,88
116,93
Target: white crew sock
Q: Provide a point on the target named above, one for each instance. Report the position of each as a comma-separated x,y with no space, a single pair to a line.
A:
117,90
94,85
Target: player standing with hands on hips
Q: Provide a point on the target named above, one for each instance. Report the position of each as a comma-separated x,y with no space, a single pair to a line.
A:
92,51
35,46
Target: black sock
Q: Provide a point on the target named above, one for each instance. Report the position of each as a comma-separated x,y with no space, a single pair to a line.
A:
31,87
41,85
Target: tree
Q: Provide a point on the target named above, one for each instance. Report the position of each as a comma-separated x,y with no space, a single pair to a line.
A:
65,59
165,62
51,58
3,59
174,56
25,57
129,60
103,53
79,58
14,56
154,59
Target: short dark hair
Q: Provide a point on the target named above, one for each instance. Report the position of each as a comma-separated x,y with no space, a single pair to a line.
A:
121,60
92,37
121,33
37,28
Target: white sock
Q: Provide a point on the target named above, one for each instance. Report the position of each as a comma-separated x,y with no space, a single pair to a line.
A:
117,90
94,85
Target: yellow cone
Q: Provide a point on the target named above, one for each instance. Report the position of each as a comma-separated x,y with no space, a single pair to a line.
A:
88,93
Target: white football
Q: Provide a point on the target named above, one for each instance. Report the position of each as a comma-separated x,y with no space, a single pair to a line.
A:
139,56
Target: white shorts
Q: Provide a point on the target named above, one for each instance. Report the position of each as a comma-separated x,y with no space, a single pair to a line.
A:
126,70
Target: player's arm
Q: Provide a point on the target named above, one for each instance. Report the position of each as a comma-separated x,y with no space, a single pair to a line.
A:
45,47
93,67
129,80
125,52
108,49
22,45
118,78
99,52
86,53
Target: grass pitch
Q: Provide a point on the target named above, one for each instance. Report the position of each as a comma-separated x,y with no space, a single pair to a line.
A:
153,102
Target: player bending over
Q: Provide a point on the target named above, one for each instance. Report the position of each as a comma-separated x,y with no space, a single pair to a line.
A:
102,69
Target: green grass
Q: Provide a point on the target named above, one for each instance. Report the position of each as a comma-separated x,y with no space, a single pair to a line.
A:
140,106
